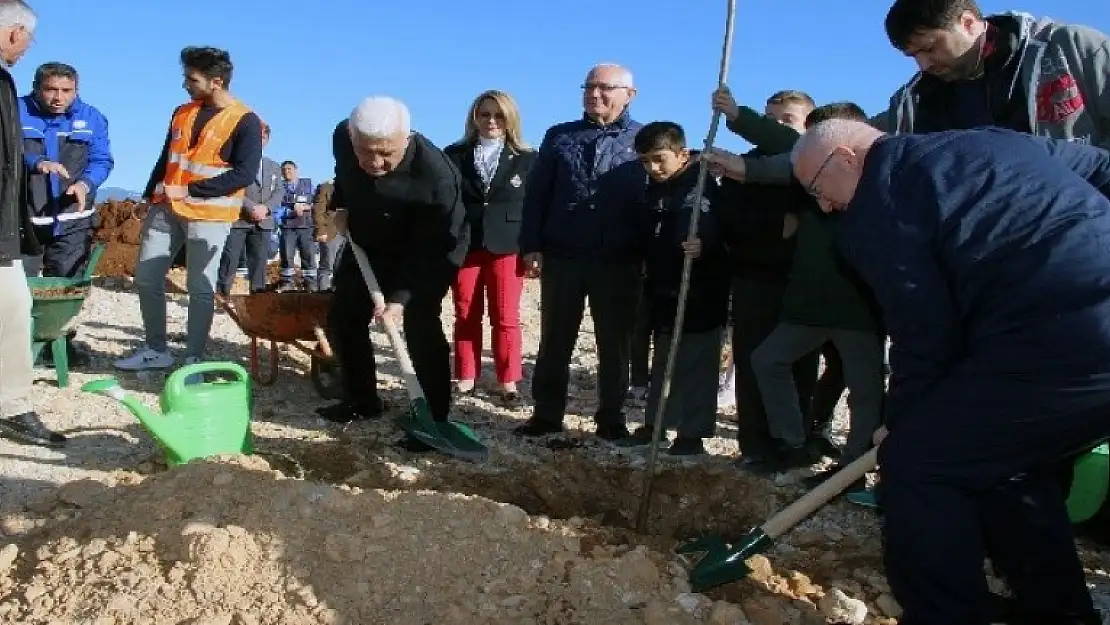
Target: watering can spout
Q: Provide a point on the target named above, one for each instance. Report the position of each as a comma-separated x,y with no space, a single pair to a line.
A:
159,427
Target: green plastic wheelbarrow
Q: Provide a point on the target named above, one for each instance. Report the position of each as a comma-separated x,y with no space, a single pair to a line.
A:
55,304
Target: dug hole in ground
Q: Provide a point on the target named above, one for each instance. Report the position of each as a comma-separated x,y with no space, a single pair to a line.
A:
332,525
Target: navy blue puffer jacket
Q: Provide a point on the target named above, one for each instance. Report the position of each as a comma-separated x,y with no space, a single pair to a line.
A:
585,192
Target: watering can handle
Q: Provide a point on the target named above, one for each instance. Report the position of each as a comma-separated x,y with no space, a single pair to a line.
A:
796,512
176,383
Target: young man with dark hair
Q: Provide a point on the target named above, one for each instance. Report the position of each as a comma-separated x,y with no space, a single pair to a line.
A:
692,404
296,228
1009,70
756,225
213,151
68,156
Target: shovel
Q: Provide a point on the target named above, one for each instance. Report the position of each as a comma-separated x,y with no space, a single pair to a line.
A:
449,437
717,563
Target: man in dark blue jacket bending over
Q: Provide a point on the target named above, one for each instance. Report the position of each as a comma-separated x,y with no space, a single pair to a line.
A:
989,252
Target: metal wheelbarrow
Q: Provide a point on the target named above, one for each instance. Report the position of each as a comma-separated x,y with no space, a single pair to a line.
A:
55,305
288,318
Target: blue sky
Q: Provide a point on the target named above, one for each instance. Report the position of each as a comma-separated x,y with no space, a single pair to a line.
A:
304,65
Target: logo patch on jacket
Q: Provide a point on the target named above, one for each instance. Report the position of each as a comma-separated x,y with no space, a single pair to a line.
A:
1058,99
515,180
79,124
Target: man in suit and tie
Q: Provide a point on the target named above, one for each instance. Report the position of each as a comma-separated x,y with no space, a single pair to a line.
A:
256,223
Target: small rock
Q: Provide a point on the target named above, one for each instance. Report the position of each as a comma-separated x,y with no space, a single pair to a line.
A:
761,570
655,613
513,601
888,605
727,614
801,585
33,592
223,479
245,618
840,608
7,558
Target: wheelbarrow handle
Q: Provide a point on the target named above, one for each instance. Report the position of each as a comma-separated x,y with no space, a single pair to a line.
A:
806,505
395,338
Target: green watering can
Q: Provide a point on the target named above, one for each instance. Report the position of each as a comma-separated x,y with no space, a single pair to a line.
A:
198,420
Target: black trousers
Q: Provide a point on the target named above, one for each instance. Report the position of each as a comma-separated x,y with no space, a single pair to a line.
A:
255,242
613,291
973,473
64,255
349,325
756,307
298,242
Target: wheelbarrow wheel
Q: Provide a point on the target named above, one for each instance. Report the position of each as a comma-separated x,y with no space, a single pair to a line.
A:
326,377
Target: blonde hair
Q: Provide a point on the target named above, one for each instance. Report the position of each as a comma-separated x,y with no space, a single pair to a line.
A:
514,136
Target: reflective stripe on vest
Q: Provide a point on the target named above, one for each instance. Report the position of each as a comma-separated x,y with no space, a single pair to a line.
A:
185,165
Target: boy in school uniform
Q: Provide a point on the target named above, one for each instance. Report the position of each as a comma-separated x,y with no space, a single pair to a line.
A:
692,403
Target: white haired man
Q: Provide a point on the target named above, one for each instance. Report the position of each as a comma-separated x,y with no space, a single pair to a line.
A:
405,210
17,239
583,210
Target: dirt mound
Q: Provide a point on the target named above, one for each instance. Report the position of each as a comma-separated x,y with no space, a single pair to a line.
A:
120,229
233,542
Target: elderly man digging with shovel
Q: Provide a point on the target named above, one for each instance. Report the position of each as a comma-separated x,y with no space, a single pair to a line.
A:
989,252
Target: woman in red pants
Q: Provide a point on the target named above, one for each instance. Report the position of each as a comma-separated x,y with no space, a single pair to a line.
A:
494,162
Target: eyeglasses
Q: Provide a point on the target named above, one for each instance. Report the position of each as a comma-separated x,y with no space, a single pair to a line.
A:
811,188
602,86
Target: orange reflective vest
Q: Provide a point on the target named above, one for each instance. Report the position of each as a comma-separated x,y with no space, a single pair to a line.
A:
186,164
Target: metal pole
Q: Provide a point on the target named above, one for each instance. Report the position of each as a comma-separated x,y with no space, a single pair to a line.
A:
684,288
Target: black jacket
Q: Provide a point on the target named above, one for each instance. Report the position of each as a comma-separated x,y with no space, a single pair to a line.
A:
494,216
17,235
411,221
750,219
670,205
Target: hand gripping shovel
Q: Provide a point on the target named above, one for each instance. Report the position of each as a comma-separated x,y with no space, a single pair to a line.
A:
450,437
720,564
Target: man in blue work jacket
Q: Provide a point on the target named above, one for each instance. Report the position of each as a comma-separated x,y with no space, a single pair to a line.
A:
68,156
987,250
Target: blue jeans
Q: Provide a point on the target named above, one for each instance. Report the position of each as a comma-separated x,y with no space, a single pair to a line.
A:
163,235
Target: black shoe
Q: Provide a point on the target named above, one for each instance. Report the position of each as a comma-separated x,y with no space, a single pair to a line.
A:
820,446
687,447
612,431
641,438
28,429
785,459
345,412
534,427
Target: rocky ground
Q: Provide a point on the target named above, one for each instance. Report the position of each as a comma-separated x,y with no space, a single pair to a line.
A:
333,525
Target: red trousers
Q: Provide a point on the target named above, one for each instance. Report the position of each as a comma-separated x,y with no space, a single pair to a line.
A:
500,277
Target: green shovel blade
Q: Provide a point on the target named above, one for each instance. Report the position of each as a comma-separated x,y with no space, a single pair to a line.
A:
718,568
450,437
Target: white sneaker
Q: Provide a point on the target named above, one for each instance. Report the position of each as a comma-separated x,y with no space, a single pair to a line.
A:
145,358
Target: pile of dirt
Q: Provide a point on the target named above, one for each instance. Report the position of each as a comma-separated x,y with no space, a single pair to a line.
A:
232,541
120,230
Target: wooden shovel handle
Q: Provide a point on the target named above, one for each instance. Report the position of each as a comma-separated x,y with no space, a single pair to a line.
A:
806,505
